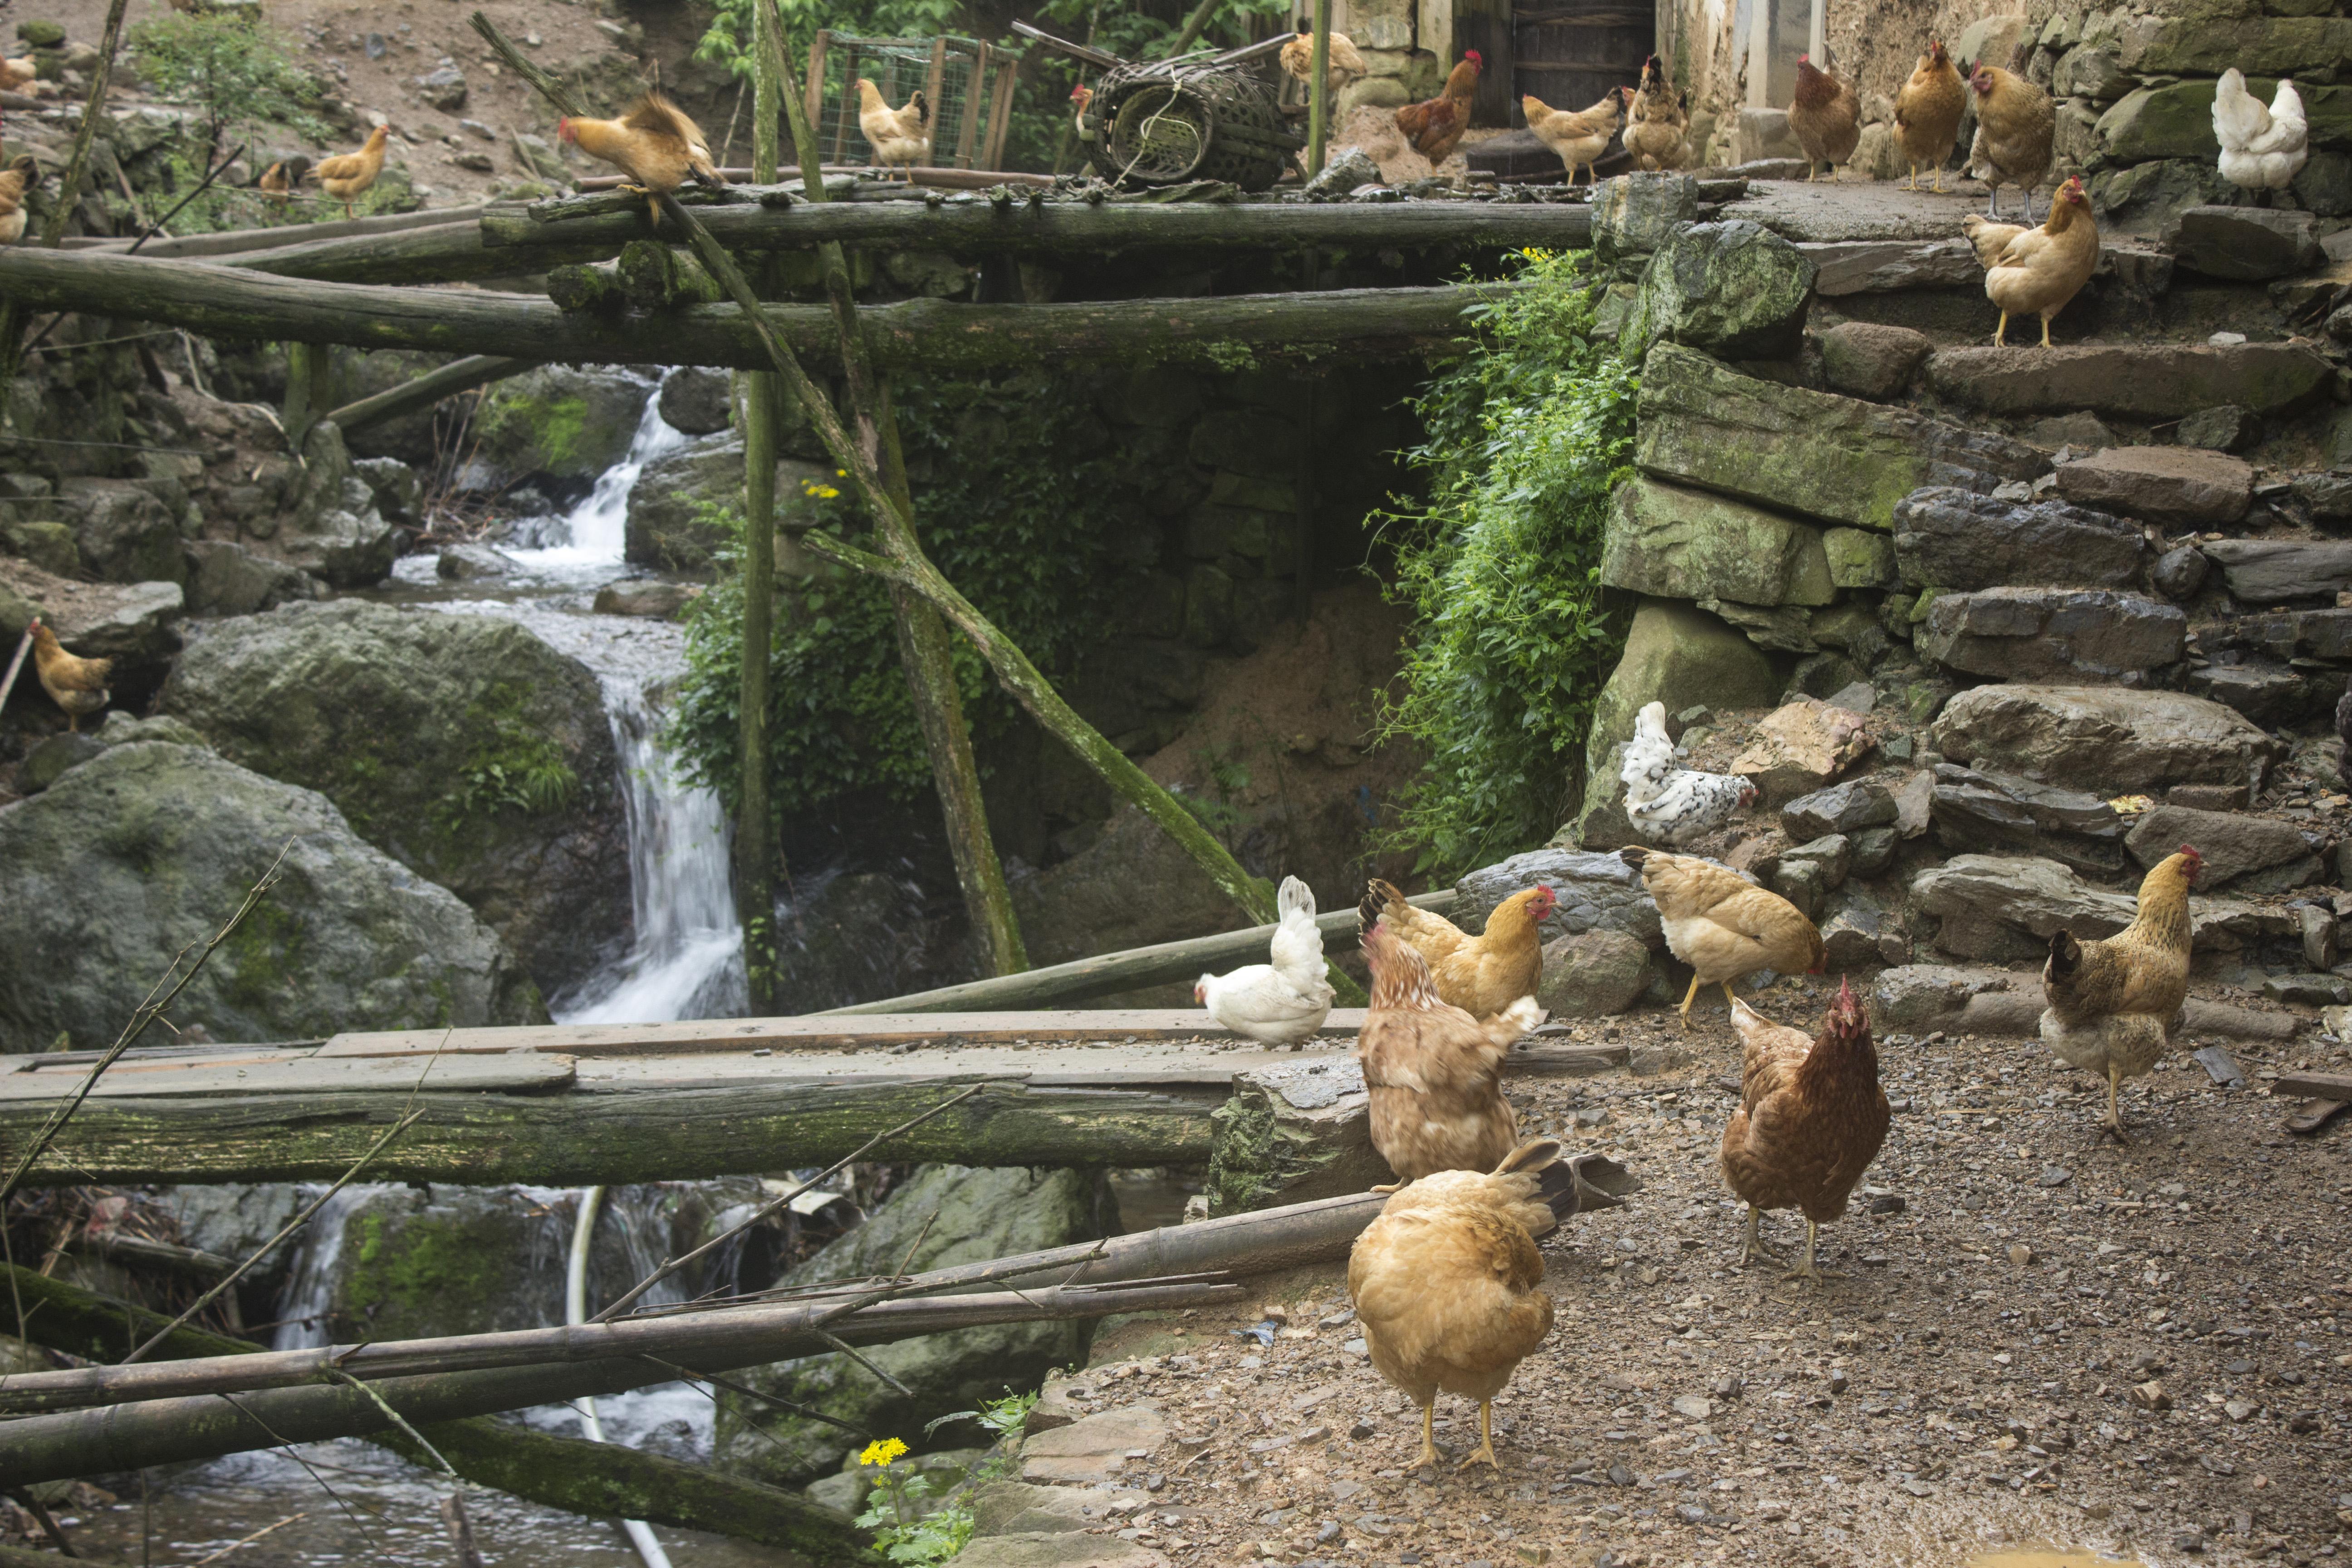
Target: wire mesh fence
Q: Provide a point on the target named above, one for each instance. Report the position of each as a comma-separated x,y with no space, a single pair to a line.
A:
968,84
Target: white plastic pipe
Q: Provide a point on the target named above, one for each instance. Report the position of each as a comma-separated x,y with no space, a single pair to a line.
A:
575,1312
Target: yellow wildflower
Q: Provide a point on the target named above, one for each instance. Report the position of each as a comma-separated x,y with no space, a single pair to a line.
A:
882,1453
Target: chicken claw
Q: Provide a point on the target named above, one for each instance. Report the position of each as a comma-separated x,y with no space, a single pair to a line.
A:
1428,1443
1806,1269
1688,997
2114,1121
1486,1449
1753,1246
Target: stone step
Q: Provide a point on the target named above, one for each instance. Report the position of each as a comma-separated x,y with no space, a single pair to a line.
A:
2155,383
2038,632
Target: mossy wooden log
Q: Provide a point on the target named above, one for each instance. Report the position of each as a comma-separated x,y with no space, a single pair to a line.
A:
584,1478
1066,227
411,396
1344,325
645,1134
589,288
229,241
445,253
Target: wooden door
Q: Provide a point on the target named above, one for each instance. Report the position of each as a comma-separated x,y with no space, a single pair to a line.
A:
1571,52
1486,26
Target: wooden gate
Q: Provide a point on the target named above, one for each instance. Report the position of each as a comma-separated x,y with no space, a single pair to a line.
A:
1570,52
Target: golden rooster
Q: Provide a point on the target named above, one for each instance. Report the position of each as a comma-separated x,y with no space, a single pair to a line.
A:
653,143
1342,64
901,137
2037,269
1481,975
21,175
1723,925
347,176
1434,1072
78,685
1928,113
2111,1002
1448,1285
1811,1118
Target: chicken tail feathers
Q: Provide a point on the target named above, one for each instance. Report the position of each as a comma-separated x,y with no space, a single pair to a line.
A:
2066,953
1294,897
1633,855
1378,898
921,106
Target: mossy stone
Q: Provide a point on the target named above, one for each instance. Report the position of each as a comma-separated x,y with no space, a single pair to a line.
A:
41,35
1859,557
1677,543
1733,289
1679,655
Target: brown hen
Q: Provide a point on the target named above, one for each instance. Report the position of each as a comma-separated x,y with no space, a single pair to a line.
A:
1435,126
1436,1073
1826,116
1811,1119
1928,113
76,685
1481,975
1447,1284
1723,925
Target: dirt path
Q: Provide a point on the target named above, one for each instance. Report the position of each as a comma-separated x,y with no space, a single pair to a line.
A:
2008,1279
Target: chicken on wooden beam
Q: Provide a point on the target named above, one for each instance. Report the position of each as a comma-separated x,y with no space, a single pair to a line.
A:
1434,1072
654,144
901,137
1481,975
1284,1001
1811,1118
2113,1002
1448,1284
1723,925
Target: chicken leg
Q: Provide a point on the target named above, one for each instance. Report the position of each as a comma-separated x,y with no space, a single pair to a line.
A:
2046,331
1428,1443
1688,997
2115,1122
1486,1449
1807,1269
2000,332
1753,1247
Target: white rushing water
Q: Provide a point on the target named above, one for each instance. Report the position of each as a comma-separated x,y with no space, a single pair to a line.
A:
599,525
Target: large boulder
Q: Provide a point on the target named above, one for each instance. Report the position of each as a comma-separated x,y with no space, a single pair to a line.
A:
1957,540
2177,120
1802,747
123,531
943,1215
228,579
329,525
2186,486
2245,245
1595,892
1866,359
563,423
1634,215
2110,738
463,745
2151,382
137,625
2052,633
1683,656
2245,854
1677,543
671,522
2001,814
1734,290
128,858
2268,571
1839,459
695,401
2003,908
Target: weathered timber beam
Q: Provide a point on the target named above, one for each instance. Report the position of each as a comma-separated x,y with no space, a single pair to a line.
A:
445,253
945,179
666,1133
1072,227
2335,1086
924,334
598,1479
201,1426
410,396
229,241
1108,971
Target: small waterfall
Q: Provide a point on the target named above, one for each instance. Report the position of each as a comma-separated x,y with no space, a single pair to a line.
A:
309,1292
687,961
599,526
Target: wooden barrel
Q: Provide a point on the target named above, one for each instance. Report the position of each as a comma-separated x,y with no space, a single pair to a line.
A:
1570,52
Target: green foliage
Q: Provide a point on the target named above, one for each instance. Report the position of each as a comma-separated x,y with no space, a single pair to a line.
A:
1526,437
1012,518
524,769
236,70
908,1526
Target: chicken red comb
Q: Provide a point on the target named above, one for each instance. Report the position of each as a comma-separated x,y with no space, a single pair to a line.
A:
2196,861
1475,57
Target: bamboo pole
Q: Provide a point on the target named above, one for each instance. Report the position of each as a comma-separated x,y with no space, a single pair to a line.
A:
559,1472
924,648
755,826
424,390
1318,93
53,228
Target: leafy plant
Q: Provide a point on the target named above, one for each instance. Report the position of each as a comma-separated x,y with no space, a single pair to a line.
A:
526,771
1526,437
904,1527
233,68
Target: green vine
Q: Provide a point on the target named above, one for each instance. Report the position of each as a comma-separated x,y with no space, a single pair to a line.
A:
1526,437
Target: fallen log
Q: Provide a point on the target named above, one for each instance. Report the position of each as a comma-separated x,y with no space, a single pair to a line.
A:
1105,972
1062,227
228,242
413,396
944,179
1323,327
2335,1086
582,1478
676,1132
443,253
206,1425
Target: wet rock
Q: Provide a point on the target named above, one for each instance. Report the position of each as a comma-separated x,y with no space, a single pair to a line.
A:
2183,486
558,423
1734,290
1803,883
1837,459
2179,572
696,401
2244,245
470,562
52,759
2300,633
1596,892
1680,655
2244,854
2264,692
2327,496
1952,539
397,490
2134,383
1859,558
122,532
154,844
1679,543
1874,850
2003,813
2269,570
980,1214
1292,1134
654,601
2003,909
1841,808
2052,633
1831,855
2112,740
1855,932
1592,975
330,526
462,746
2224,428
47,545
1802,747
1636,215
1863,359
669,526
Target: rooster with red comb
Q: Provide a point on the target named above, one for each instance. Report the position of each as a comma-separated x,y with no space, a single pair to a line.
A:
2113,1002
1811,1118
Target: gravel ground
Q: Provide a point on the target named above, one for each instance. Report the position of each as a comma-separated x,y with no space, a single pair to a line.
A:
2017,1293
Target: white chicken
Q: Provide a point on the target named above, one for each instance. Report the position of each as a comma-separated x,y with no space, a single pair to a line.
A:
1282,1003
1668,804
2262,149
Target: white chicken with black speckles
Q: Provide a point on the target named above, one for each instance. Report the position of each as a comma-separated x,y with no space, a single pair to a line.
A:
1669,803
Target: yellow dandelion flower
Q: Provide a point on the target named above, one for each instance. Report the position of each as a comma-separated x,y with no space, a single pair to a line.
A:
882,1453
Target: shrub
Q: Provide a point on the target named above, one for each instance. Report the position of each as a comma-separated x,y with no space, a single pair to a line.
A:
235,70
